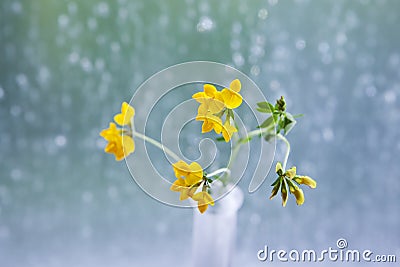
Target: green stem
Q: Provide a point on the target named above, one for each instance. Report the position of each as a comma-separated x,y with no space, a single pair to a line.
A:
157,144
259,131
287,149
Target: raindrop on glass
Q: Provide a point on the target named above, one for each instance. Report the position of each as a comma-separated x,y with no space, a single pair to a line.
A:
263,13
205,24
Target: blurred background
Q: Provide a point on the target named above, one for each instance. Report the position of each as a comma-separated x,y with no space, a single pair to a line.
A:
66,66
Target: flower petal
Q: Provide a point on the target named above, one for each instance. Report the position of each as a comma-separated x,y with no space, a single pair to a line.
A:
235,85
291,173
278,168
231,98
306,180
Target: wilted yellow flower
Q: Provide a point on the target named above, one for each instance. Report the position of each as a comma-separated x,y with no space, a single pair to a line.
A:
298,193
126,115
231,96
118,144
291,173
192,173
305,180
203,200
186,191
289,178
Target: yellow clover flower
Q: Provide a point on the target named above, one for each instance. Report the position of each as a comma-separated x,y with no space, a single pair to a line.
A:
126,115
119,145
231,96
227,130
210,122
192,173
203,200
186,191
210,100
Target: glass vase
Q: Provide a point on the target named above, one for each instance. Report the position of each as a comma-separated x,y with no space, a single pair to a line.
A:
214,232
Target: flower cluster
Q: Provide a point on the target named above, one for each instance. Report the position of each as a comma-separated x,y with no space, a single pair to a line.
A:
215,104
289,179
189,179
120,142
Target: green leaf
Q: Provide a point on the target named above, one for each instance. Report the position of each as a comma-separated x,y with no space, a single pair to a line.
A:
220,139
276,181
268,122
263,110
298,116
289,116
265,107
289,127
275,190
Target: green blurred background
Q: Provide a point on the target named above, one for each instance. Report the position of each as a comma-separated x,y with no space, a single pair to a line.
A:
66,66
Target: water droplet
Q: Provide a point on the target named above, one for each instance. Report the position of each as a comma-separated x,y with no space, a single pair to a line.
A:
43,75
115,47
255,70
103,9
73,58
327,134
275,85
390,96
300,44
87,197
22,80
341,38
238,59
16,7
263,13
205,24
86,64
60,140
63,21
323,47
72,8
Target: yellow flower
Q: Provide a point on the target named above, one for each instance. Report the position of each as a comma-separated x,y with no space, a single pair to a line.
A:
192,173
210,122
126,115
231,96
210,100
186,191
227,130
118,144
203,200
